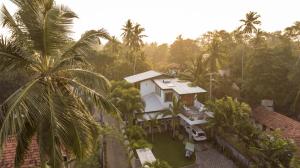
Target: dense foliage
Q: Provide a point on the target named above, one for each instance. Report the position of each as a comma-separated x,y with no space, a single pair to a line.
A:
53,102
265,149
127,98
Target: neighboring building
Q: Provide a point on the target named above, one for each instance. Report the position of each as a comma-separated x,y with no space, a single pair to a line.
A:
157,90
269,120
31,158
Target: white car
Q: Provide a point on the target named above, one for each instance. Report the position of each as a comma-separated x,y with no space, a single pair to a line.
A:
197,133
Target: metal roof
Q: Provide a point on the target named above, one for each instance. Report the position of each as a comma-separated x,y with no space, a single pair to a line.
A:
142,76
145,155
179,86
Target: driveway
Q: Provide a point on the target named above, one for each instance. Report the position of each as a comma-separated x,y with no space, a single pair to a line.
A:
116,153
208,157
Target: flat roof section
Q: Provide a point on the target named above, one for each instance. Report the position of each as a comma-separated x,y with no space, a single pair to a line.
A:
145,155
179,86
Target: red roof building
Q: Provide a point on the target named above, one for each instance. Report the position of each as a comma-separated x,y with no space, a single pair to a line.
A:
289,127
31,159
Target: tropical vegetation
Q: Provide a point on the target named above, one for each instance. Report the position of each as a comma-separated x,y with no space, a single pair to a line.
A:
54,101
266,149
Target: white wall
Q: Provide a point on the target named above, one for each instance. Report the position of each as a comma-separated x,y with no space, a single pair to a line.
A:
147,87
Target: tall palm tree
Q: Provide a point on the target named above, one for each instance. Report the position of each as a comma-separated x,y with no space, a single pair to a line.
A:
156,164
249,26
133,38
137,42
127,34
175,109
250,23
54,103
152,121
216,55
293,32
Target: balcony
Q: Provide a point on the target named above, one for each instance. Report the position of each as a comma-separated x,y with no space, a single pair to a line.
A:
196,112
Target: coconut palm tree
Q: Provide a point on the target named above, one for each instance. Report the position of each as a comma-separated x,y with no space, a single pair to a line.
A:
216,55
175,109
249,26
133,38
54,103
156,164
127,34
152,121
196,70
250,23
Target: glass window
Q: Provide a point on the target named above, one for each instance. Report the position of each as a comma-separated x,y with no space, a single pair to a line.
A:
168,96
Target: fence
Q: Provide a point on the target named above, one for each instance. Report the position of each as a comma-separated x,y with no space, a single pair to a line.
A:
245,162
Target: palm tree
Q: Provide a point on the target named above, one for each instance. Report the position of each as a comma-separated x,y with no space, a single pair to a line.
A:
196,71
250,22
293,32
132,37
249,26
136,136
152,122
54,103
229,115
126,97
216,55
137,42
128,33
156,164
174,111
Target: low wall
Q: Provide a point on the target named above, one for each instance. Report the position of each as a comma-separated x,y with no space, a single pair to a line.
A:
245,162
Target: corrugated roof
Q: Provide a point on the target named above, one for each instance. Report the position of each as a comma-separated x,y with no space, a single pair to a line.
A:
179,86
142,76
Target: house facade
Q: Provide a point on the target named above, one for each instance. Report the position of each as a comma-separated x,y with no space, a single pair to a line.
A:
157,91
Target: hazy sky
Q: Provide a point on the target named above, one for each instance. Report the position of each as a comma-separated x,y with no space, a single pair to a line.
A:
164,20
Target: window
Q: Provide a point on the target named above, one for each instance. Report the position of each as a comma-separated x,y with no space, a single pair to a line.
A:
168,96
157,90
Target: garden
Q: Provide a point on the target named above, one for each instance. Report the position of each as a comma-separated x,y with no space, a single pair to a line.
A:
170,150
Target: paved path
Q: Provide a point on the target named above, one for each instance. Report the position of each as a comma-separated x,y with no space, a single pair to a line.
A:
116,154
208,157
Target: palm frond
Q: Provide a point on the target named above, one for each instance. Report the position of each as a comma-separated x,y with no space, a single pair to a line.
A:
13,57
16,112
83,46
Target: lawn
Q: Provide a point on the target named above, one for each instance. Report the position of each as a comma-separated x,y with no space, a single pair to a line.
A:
172,151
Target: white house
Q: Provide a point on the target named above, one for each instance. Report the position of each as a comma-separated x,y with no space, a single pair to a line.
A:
157,90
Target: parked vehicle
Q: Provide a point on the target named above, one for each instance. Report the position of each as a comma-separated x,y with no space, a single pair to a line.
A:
197,133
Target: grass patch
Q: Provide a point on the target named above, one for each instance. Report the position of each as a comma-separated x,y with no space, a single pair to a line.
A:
170,150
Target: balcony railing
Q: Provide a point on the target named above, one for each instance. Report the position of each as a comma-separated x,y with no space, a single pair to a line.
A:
196,112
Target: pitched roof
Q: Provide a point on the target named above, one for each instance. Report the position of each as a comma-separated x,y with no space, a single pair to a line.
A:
179,86
290,128
142,76
31,159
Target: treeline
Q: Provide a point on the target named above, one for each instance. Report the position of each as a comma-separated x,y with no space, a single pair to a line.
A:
248,63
